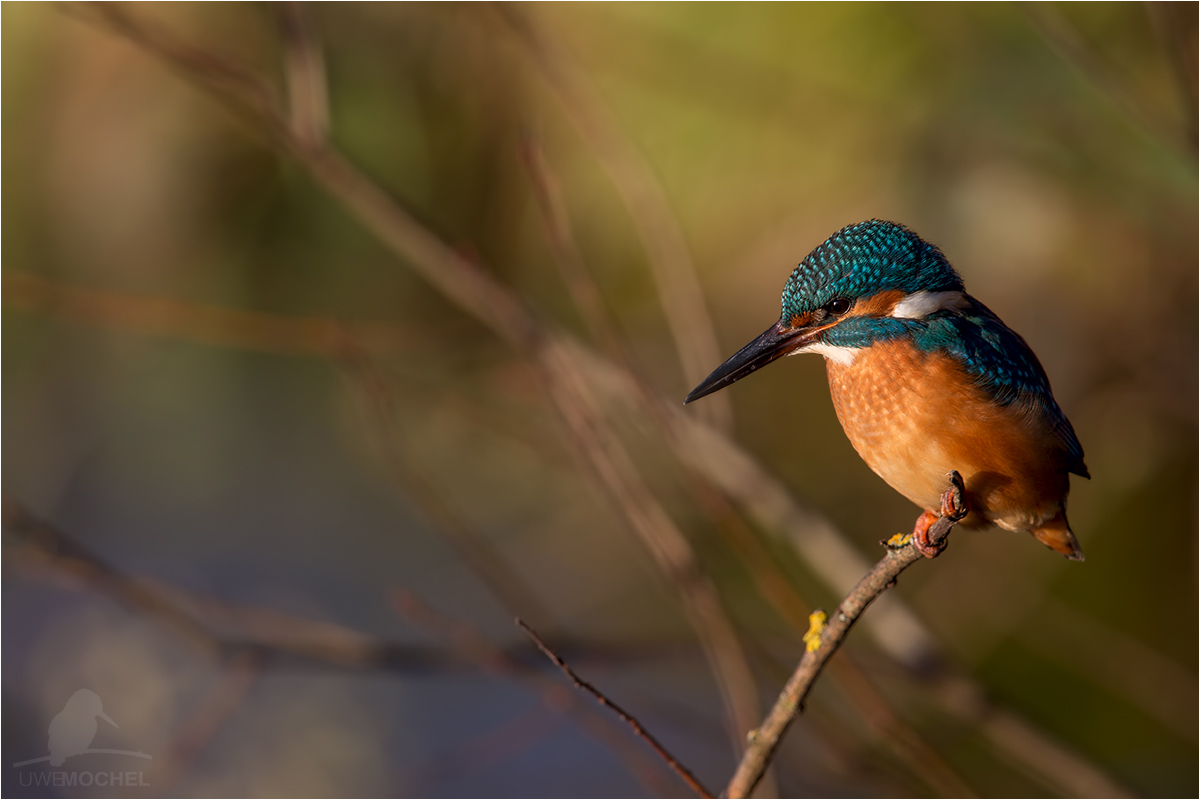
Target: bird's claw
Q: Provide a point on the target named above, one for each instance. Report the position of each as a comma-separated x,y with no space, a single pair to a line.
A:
953,508
954,504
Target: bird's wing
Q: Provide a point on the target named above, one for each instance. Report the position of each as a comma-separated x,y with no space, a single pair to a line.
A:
1004,366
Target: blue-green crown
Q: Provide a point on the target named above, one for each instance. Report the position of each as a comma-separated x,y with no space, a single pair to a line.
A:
864,259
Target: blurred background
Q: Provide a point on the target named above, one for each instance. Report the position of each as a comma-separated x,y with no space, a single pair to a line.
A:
336,336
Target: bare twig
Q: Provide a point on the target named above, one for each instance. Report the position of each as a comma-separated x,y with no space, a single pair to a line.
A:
625,716
889,728
766,738
476,647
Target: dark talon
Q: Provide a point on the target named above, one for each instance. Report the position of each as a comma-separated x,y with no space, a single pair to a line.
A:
954,504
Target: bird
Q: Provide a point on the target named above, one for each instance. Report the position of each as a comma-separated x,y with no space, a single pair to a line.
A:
73,728
925,380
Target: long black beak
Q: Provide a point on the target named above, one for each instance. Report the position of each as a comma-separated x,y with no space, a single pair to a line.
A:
775,342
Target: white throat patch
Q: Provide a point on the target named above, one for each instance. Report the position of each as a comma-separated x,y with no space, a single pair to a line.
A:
840,355
920,305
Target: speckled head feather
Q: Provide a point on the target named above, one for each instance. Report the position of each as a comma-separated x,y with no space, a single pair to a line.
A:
864,259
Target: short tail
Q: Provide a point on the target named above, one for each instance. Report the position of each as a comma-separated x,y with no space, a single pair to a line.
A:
1056,534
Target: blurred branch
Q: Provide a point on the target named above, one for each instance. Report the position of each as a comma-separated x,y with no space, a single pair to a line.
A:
506,585
1175,24
1165,689
281,334
78,564
238,88
220,627
616,469
304,74
203,620
625,716
1032,751
567,256
890,731
882,576
238,676
1065,40
476,753
671,550
679,289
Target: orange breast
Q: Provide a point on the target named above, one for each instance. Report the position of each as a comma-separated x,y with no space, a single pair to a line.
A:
915,416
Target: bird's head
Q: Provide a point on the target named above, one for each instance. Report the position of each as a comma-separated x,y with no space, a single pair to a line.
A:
856,288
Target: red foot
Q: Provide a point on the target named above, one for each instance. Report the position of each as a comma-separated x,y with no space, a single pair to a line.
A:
920,535
953,507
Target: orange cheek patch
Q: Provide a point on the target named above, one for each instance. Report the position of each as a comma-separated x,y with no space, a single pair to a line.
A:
880,305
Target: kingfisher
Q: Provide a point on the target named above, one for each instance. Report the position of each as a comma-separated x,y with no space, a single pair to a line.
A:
925,379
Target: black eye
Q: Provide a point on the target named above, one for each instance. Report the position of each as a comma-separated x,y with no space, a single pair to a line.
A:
839,305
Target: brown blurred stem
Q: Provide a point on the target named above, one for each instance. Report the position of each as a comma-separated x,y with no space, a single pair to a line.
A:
239,675
280,334
616,471
679,290
1068,43
567,254
765,740
625,716
217,628
304,73
506,585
